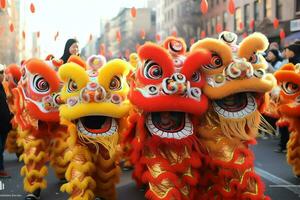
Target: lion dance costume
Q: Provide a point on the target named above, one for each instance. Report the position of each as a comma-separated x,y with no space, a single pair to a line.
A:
41,136
95,103
166,93
288,77
12,75
236,84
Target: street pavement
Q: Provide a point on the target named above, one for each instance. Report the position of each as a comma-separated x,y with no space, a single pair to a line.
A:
272,167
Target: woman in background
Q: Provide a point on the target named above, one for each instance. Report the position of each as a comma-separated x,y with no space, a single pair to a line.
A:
71,48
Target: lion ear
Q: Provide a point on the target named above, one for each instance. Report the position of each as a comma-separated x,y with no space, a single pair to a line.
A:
77,60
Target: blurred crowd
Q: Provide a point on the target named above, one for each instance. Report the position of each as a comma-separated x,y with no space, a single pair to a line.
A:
277,58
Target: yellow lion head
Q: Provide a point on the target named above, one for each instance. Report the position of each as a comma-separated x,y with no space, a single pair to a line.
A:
95,100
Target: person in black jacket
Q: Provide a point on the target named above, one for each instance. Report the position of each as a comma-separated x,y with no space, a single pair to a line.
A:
5,125
71,48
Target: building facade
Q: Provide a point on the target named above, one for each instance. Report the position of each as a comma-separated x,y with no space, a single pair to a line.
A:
131,32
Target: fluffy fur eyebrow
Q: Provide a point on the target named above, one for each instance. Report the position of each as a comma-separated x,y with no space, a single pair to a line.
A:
111,69
214,45
75,72
255,42
195,61
157,54
36,66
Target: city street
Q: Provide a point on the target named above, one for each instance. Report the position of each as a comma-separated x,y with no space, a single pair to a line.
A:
271,166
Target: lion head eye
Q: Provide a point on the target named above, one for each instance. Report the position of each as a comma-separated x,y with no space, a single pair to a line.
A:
152,70
253,59
290,88
115,83
72,86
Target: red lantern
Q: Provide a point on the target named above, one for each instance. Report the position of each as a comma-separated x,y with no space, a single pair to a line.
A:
157,37
133,12
241,25
282,34
119,37
143,34
275,23
204,6
174,33
218,28
32,8
203,34
38,34
11,27
244,35
23,35
252,24
231,7
192,41
3,4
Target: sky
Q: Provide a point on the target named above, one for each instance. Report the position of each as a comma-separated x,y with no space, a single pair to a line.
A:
71,18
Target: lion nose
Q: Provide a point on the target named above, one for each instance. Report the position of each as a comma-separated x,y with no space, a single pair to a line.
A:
93,94
175,85
239,70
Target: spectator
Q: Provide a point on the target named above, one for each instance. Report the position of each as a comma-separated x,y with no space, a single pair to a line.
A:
292,53
5,124
274,58
71,48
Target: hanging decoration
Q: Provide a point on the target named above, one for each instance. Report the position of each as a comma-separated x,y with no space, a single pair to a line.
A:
174,33
3,4
203,34
23,35
133,12
219,28
119,37
252,24
32,8
241,25
204,7
11,27
143,34
192,41
275,23
231,7
38,34
56,36
282,34
157,37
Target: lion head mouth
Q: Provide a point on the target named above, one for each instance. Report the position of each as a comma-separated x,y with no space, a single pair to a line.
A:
171,125
97,126
236,105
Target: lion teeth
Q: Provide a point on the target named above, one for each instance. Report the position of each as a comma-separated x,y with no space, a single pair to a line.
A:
185,132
